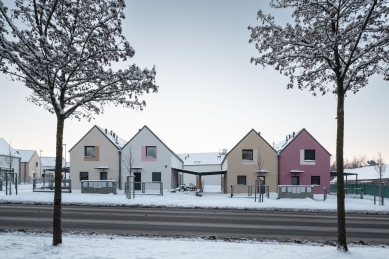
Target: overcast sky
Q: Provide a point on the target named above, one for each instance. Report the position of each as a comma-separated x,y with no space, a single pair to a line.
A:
210,95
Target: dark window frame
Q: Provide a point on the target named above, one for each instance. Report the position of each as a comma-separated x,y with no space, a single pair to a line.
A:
86,153
241,177
155,174
315,179
82,177
149,147
246,154
101,176
309,155
298,180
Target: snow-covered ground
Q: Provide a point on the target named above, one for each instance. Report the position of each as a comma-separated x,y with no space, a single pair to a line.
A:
19,245
211,199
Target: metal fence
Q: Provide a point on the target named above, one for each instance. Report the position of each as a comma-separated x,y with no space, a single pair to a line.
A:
368,189
295,191
144,188
48,185
241,190
99,186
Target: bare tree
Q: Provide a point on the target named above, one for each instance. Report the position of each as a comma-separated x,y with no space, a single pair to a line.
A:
9,163
129,161
380,167
260,163
333,46
63,51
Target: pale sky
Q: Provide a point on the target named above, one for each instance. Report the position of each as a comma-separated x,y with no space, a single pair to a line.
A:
210,95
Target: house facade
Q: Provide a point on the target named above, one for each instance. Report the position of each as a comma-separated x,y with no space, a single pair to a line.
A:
303,161
97,156
203,162
9,159
29,164
251,158
152,160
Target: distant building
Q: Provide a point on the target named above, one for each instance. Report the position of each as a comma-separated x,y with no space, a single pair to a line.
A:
29,164
7,164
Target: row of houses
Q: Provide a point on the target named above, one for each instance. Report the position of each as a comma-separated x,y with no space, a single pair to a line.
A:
298,160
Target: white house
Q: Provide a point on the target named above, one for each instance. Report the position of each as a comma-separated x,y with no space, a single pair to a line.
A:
203,162
9,159
153,160
96,156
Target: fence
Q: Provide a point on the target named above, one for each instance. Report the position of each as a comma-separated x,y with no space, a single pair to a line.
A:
242,190
144,188
295,191
48,185
98,186
368,189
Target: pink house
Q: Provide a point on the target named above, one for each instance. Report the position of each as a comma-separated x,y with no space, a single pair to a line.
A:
303,161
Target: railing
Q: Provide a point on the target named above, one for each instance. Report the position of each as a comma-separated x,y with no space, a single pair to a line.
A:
295,191
144,188
48,185
368,189
99,186
241,189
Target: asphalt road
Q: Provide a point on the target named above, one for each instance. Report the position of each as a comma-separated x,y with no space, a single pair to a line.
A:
197,222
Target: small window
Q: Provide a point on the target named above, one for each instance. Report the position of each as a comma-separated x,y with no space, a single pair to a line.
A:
103,176
309,155
90,151
242,179
315,180
84,176
36,164
151,151
156,176
247,154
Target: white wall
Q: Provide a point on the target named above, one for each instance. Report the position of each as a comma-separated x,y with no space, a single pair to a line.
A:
208,180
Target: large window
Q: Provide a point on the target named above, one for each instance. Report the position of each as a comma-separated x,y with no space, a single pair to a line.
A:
241,179
90,151
315,180
309,155
84,176
103,176
156,176
151,151
247,154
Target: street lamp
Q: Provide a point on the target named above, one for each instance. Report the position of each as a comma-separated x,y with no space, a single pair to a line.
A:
65,160
40,162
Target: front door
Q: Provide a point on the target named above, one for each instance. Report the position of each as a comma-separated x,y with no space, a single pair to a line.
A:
295,180
103,176
138,180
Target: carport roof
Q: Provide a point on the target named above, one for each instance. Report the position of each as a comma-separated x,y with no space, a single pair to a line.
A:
199,173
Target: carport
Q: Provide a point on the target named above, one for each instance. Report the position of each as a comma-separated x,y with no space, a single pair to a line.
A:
199,174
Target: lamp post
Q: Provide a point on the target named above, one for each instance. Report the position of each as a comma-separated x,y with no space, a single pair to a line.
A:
65,160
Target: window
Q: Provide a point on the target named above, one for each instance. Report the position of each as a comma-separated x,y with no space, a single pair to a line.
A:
90,151
309,155
36,164
247,154
84,176
151,151
156,176
103,176
315,180
242,179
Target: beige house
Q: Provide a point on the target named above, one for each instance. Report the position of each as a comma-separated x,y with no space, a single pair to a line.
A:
97,156
250,159
29,164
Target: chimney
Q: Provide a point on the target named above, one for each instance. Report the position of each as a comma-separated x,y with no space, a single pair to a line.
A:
290,136
293,133
111,132
259,133
224,151
106,131
286,138
113,135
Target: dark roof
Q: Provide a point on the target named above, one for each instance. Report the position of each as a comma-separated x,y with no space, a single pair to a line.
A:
243,139
284,147
199,173
145,127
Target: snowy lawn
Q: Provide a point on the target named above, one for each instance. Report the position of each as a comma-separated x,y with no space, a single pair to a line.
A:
20,245
210,199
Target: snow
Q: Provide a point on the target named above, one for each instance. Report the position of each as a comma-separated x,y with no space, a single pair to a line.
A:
26,155
364,173
20,245
211,198
47,161
283,144
4,148
210,158
119,143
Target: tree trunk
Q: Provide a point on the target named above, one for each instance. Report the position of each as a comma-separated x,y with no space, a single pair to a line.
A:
342,245
57,226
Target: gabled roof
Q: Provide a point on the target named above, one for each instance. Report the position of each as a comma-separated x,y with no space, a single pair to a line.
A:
210,158
119,143
49,161
26,155
252,130
145,127
5,148
281,146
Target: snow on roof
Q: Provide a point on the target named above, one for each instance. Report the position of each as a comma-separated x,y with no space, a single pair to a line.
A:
5,148
26,155
283,144
50,161
210,158
364,173
118,142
